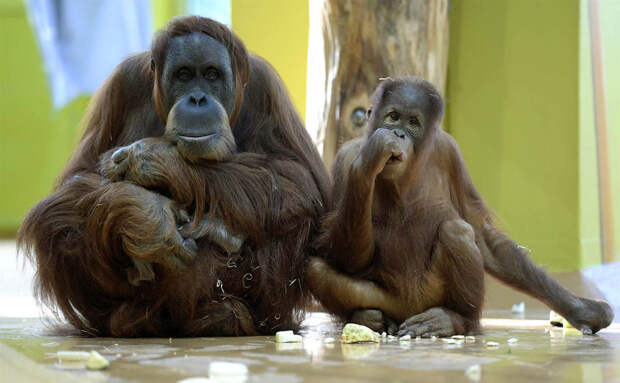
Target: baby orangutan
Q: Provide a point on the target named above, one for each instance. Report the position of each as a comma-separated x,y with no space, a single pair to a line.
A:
409,238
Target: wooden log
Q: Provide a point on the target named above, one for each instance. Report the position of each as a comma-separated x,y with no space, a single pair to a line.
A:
363,41
608,242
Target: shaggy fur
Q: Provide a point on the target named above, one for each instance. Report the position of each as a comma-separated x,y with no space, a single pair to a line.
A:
84,236
410,247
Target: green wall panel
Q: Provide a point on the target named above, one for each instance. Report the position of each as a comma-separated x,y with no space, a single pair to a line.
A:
513,109
610,35
519,103
35,140
589,226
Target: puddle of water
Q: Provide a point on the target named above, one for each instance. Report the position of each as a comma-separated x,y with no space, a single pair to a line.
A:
538,355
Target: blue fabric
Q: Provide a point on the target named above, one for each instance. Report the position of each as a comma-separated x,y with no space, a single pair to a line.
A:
215,9
81,41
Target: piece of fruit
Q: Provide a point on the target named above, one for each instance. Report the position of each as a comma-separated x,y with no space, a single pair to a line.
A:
355,333
287,337
96,361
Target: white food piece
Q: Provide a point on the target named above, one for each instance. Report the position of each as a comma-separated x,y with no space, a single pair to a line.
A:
518,308
287,337
558,320
555,318
470,339
492,344
405,338
433,338
473,373
512,340
391,337
448,340
96,361
73,356
355,333
384,335
197,379
218,369
329,340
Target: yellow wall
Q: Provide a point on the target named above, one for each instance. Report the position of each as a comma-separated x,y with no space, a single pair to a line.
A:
164,10
35,140
278,31
519,104
513,108
589,227
610,35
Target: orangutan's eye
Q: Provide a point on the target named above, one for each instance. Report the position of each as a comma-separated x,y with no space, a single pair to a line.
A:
212,74
184,74
392,117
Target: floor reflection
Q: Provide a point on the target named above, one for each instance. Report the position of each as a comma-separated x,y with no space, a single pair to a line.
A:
537,354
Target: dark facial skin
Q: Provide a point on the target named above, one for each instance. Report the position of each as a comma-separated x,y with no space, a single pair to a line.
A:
397,128
199,95
403,109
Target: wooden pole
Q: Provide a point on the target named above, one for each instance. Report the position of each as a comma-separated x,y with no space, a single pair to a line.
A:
600,117
362,41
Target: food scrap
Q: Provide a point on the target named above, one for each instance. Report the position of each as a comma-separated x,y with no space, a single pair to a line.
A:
91,360
473,373
96,361
72,356
354,333
559,321
518,308
287,337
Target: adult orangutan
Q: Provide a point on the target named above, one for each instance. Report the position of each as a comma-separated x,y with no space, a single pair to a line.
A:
113,244
409,238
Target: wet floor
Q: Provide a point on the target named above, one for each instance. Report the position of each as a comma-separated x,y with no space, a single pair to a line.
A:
536,354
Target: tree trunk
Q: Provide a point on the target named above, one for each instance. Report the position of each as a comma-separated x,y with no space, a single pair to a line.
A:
361,42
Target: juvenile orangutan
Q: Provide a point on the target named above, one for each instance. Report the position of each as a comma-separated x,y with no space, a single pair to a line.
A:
409,238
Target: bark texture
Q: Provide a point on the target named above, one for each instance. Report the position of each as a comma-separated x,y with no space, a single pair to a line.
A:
363,41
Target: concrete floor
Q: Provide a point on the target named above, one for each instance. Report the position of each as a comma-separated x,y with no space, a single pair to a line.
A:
540,354
28,354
